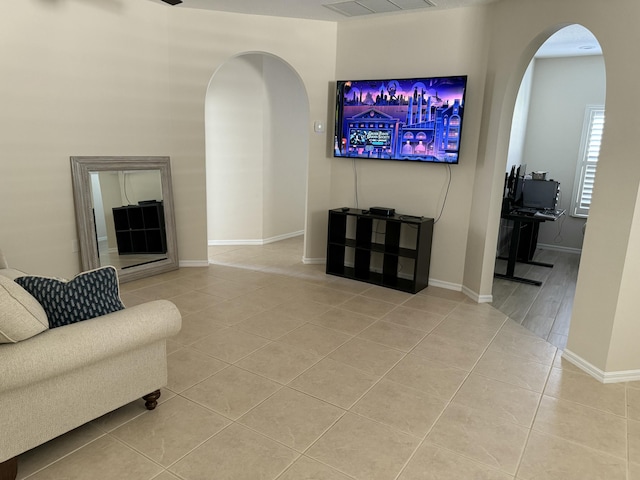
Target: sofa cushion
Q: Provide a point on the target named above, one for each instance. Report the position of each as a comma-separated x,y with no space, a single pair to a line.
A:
11,273
21,316
88,295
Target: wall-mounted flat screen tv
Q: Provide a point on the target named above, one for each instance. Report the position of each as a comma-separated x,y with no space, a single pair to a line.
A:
410,119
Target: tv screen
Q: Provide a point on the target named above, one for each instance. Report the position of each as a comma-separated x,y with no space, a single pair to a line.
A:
410,119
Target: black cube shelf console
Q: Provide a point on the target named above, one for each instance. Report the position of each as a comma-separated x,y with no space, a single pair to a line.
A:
140,228
391,251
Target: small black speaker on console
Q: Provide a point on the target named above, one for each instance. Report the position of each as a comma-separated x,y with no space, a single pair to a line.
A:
172,2
382,211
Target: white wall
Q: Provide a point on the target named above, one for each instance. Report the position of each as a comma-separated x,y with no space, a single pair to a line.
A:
257,151
404,46
111,194
98,208
200,43
235,146
139,186
285,183
130,78
517,30
561,89
78,78
516,156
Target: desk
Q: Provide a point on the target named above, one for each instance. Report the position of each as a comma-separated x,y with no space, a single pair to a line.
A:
518,219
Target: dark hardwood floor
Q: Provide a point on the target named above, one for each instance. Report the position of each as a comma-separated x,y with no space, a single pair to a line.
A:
545,310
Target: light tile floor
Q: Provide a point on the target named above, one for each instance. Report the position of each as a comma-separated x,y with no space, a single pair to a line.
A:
281,372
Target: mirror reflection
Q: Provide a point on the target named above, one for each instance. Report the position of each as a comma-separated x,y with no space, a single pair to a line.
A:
124,214
129,217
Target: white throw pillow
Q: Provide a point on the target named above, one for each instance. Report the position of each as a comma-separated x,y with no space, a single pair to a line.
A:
21,316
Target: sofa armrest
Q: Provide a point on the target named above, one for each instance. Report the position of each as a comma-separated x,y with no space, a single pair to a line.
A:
60,350
3,261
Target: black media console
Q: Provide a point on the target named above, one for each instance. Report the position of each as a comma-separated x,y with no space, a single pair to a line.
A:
140,228
392,251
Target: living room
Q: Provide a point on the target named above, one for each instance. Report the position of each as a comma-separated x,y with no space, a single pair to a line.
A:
109,78
116,77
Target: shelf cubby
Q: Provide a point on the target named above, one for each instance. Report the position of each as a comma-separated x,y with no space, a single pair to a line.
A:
140,228
390,251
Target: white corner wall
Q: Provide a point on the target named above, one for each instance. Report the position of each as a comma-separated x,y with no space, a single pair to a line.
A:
287,152
235,138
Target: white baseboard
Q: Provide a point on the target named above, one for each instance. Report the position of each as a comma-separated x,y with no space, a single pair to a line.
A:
446,285
435,283
193,263
313,261
559,248
461,288
601,376
475,296
259,241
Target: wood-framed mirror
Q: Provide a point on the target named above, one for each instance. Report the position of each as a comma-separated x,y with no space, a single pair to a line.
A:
125,215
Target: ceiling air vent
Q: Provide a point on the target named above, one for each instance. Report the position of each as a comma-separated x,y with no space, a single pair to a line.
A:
366,7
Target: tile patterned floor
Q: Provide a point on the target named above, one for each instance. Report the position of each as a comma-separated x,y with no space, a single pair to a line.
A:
281,372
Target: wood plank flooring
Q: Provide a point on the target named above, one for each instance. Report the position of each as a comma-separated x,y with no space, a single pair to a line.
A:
545,310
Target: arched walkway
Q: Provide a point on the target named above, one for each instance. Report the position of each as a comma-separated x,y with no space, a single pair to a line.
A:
256,113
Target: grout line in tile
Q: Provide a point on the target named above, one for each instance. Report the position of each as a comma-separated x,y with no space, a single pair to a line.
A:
535,416
60,458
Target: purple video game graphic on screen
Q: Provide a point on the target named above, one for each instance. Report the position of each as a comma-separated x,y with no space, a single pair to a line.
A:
412,119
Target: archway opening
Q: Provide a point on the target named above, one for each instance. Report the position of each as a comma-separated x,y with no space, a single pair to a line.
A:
563,83
256,117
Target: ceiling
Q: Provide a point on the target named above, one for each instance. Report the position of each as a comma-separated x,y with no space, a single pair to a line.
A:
570,41
328,10
574,40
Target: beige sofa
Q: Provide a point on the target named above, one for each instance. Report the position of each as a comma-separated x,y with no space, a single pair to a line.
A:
61,378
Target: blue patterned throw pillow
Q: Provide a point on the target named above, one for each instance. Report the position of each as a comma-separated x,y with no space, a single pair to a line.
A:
88,295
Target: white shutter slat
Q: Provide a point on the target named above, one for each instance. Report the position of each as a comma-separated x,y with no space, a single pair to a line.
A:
593,129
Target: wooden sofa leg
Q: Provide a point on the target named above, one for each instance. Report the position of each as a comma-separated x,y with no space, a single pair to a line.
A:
9,469
151,401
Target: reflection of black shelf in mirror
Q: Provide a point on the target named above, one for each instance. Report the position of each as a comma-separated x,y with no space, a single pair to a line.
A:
155,240
120,219
123,239
134,215
140,229
368,247
150,216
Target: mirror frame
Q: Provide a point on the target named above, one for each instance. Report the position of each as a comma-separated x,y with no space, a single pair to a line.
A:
81,168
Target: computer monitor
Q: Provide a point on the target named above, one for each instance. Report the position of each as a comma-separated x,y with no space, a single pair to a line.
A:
540,194
517,194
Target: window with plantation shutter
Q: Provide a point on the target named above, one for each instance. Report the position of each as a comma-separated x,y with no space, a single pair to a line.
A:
587,160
